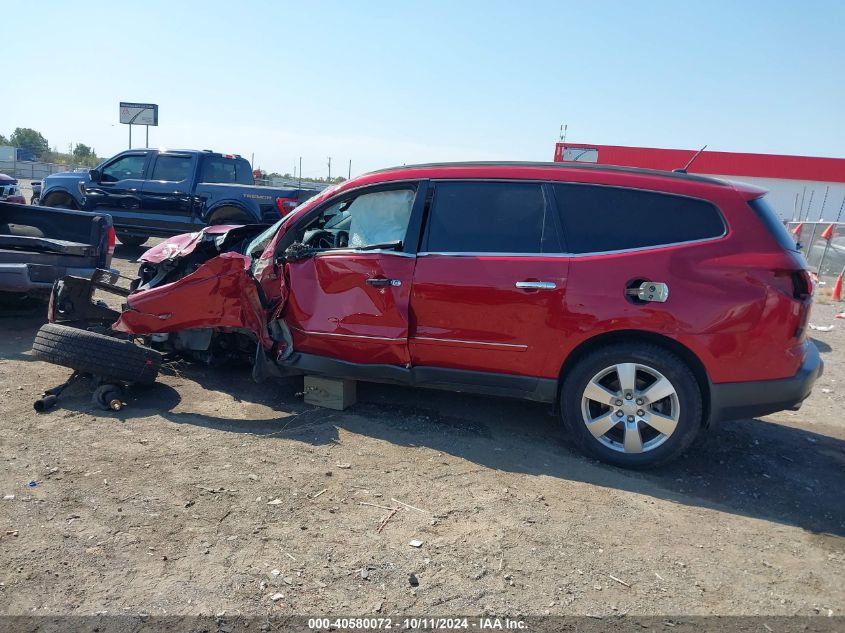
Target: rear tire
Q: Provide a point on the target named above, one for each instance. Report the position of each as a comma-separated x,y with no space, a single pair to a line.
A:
611,413
131,241
229,215
97,354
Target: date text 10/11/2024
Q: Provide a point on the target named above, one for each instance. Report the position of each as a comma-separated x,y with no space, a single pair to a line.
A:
478,623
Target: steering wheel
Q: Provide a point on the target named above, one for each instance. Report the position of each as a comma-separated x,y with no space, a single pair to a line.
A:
324,239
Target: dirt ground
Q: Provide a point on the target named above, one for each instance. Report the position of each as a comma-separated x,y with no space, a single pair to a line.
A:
210,493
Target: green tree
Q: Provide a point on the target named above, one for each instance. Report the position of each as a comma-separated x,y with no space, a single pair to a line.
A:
83,151
28,138
3,140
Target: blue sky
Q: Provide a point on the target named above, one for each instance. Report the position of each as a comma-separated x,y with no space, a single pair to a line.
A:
385,83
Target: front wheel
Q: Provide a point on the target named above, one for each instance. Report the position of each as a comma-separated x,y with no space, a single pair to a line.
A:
131,241
632,405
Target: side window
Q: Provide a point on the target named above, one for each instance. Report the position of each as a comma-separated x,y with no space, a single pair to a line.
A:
218,169
367,220
172,168
599,219
125,168
243,172
490,217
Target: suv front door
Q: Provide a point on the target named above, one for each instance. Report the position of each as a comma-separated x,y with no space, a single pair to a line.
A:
490,281
349,298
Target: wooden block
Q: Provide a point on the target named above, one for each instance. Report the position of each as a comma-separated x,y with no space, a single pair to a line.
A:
331,393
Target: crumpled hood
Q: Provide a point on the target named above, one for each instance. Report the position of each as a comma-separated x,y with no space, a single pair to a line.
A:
184,244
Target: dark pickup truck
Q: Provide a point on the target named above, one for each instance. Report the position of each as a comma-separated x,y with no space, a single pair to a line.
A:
39,246
167,192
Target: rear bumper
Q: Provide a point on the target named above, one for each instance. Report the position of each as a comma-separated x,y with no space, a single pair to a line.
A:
736,400
26,278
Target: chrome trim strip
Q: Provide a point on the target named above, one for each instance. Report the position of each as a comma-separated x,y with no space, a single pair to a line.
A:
572,255
357,251
453,340
535,285
336,335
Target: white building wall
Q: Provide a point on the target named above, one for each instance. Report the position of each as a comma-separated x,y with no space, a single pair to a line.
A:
786,197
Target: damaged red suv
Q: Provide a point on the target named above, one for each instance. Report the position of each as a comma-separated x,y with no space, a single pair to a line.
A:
643,305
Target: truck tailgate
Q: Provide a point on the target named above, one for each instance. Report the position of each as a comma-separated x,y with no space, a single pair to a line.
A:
39,245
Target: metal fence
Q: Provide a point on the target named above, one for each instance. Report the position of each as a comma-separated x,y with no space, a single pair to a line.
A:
823,244
34,170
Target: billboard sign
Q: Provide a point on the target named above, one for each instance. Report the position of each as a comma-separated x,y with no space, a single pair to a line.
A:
139,113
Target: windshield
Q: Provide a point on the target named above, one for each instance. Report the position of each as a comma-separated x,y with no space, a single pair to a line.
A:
259,243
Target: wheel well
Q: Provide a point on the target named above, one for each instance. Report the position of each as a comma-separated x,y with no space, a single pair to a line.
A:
638,336
59,197
228,212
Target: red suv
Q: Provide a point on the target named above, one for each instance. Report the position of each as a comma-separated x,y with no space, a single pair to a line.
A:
643,305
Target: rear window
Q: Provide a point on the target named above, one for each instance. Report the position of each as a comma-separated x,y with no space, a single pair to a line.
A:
773,224
602,219
220,169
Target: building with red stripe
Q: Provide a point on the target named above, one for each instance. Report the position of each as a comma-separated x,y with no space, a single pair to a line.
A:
805,187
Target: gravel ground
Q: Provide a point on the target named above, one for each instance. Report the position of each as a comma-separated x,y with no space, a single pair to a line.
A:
211,493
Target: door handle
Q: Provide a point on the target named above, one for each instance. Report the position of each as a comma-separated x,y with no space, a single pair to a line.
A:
536,285
381,281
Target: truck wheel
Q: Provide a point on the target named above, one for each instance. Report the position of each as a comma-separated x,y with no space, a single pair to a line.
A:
60,201
229,215
632,405
132,241
93,353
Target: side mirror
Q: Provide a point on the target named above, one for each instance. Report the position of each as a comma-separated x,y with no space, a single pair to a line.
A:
94,175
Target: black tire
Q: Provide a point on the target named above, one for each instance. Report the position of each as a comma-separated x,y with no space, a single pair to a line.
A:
60,201
132,241
97,354
676,371
229,215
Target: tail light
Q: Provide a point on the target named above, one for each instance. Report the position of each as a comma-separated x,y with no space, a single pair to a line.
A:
802,284
111,241
797,284
286,205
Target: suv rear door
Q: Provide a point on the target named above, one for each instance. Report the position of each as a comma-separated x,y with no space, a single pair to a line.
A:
167,196
490,282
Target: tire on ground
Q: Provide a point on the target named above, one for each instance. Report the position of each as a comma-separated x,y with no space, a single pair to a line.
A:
96,354
667,363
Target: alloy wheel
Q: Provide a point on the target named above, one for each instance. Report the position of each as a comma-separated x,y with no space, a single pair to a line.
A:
630,407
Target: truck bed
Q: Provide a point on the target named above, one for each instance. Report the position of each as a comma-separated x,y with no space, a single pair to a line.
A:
39,245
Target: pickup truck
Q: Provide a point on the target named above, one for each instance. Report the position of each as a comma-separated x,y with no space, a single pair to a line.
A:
39,246
162,193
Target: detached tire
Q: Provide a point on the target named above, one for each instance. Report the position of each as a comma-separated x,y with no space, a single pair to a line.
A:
93,353
632,405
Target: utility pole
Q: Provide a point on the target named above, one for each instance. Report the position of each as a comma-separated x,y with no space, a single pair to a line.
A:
330,168
300,172
349,177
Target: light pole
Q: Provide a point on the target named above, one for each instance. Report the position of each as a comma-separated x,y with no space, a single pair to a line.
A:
330,168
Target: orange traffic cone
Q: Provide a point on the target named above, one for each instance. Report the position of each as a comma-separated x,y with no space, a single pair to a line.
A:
837,288
828,233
